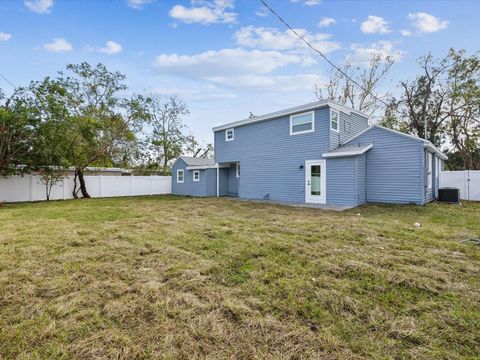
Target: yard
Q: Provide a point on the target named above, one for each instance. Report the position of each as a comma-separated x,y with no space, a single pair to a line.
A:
172,277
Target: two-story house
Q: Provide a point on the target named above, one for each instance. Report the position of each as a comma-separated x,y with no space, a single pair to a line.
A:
321,152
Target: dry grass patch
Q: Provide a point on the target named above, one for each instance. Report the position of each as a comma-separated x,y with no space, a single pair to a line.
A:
172,277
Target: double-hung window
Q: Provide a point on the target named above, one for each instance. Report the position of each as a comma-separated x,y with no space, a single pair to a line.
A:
334,120
180,175
302,123
196,175
229,134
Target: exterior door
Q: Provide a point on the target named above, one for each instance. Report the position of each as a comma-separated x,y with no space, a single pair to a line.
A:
315,181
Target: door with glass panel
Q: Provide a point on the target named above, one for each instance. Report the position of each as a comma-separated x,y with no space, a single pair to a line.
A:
315,181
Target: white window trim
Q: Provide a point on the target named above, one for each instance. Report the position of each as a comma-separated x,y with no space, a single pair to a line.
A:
193,175
429,170
178,175
237,172
312,114
338,120
233,134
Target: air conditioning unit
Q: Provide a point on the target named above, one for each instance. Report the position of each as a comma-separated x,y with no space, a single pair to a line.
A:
449,195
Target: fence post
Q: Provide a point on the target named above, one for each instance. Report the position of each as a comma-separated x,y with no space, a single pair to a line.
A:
31,188
64,188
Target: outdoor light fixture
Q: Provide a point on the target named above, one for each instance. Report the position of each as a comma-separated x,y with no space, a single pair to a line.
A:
301,166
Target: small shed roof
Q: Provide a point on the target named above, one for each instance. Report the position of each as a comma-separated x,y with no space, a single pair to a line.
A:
195,162
348,150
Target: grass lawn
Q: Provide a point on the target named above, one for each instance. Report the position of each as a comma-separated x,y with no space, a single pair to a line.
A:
172,277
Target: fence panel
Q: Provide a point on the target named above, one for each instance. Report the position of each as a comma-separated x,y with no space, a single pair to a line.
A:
467,181
30,188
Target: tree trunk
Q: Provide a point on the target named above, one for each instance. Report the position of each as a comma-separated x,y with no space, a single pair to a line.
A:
83,187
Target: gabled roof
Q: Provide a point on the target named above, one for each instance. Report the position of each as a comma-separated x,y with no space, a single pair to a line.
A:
348,150
194,161
426,143
290,111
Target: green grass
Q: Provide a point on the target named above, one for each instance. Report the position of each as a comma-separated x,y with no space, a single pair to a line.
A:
171,277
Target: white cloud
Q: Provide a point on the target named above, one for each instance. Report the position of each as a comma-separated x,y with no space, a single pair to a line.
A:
205,12
39,6
270,83
427,23
227,62
274,39
375,24
192,94
111,48
138,4
307,2
326,22
239,69
406,32
5,36
262,12
362,55
58,45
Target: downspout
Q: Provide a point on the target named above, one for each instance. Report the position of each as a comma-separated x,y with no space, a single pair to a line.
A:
218,180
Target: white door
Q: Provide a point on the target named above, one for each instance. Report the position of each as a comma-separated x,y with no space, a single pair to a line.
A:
315,181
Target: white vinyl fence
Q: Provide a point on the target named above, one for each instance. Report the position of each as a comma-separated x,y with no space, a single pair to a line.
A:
467,181
30,188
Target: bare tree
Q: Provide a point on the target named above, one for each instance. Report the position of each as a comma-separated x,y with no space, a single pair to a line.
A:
343,90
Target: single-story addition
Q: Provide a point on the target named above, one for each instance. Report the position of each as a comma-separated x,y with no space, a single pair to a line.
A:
321,152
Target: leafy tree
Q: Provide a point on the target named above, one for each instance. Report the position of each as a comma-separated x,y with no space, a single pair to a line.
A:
49,155
344,91
167,138
17,129
99,125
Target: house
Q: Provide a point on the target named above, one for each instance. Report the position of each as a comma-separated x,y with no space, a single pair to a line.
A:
321,152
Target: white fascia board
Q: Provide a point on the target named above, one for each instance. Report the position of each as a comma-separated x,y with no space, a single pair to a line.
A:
433,149
348,153
291,111
203,167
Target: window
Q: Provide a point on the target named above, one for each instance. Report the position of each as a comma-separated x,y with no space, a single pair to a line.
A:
347,126
429,169
238,170
180,176
196,175
229,135
302,123
334,118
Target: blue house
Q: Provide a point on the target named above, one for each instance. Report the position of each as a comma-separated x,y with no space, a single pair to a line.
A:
321,152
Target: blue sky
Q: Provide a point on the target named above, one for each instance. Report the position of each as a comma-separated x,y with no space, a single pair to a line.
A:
226,58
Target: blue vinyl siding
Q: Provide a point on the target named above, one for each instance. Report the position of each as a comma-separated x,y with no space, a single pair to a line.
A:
190,187
357,123
361,178
394,168
346,180
223,180
341,181
233,181
272,160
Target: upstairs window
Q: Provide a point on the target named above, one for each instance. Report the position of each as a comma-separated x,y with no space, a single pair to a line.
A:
334,119
302,123
196,175
180,175
347,127
229,134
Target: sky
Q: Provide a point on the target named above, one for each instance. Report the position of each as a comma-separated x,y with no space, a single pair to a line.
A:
227,58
